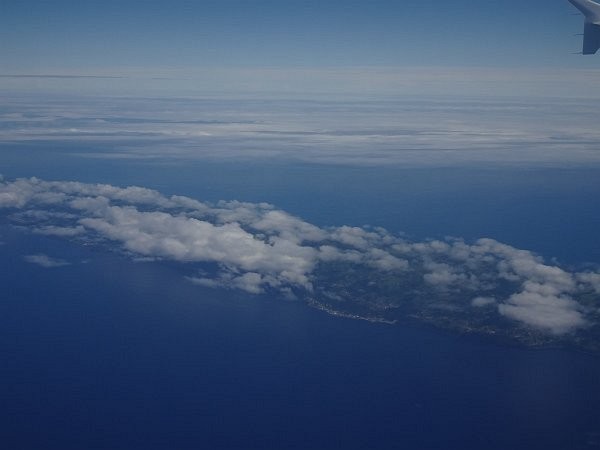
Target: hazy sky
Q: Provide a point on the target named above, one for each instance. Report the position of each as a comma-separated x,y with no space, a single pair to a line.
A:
84,35
464,47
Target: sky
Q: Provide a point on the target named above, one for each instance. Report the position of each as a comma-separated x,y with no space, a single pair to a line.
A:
261,44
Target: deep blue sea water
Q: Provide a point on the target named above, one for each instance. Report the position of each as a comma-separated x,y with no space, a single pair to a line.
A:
107,353
111,354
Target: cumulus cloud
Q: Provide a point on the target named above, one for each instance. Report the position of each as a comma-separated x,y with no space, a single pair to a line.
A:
255,247
557,313
590,279
45,261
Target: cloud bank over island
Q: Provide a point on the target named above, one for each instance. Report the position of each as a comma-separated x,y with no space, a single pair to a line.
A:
256,247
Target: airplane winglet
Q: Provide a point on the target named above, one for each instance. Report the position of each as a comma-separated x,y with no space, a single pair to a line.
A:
589,8
591,30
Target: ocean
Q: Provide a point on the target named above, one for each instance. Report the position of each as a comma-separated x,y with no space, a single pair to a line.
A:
109,353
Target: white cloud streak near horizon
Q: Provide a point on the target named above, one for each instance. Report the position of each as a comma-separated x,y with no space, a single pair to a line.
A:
410,131
256,247
310,82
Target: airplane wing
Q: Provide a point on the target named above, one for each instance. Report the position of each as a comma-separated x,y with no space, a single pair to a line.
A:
591,38
591,31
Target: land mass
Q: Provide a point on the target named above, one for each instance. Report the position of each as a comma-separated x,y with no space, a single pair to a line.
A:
355,292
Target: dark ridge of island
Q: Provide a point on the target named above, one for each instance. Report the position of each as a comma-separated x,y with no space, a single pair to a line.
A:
357,292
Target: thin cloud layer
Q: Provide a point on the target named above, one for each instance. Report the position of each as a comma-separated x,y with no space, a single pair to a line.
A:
256,247
428,131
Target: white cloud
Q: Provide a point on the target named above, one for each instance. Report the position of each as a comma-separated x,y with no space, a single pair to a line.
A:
591,279
441,275
353,237
250,282
436,132
559,314
330,253
483,301
208,282
385,261
288,227
188,239
45,261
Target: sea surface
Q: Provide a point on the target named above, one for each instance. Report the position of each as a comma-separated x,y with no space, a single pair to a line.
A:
108,353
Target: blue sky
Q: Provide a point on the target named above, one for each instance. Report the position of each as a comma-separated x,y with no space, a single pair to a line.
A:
297,48
111,35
